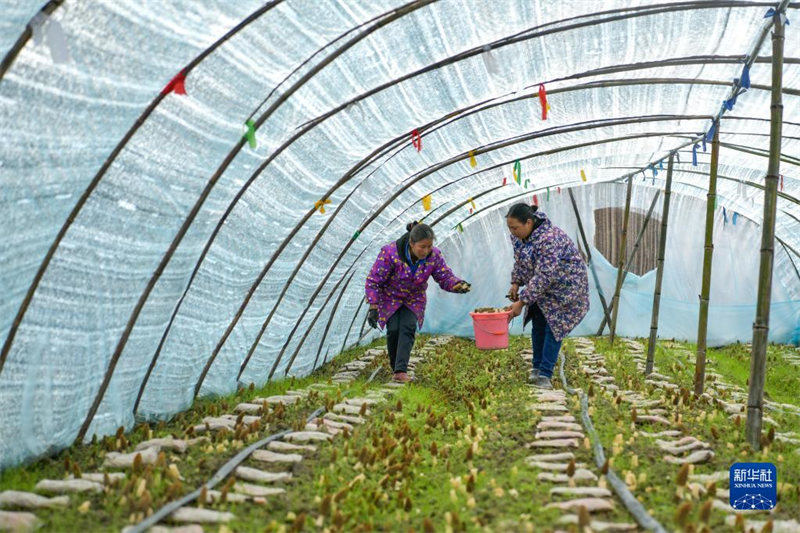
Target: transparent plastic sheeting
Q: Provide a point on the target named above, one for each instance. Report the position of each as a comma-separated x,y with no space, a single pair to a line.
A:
483,254
625,88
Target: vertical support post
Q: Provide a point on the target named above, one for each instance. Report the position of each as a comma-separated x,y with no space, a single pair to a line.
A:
588,254
662,246
621,261
702,325
758,355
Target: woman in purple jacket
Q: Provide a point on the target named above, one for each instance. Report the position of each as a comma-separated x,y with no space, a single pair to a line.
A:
396,290
556,285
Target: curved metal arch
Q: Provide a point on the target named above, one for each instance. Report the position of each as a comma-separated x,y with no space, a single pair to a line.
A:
647,10
748,62
352,322
319,311
330,321
503,201
434,168
500,202
394,142
207,247
308,215
790,198
693,140
397,13
104,168
473,109
193,213
312,123
417,178
274,307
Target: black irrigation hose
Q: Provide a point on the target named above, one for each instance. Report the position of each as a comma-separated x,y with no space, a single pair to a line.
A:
223,472
633,505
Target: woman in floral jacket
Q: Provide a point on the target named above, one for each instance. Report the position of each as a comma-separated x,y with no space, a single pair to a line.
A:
556,285
396,290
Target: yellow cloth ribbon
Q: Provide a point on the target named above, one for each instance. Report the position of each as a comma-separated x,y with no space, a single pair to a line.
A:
426,202
473,203
319,205
472,161
583,175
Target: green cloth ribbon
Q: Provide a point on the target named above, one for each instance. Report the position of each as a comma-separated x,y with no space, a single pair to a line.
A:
250,134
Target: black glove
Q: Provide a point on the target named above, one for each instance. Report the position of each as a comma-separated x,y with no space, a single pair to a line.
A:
462,288
372,318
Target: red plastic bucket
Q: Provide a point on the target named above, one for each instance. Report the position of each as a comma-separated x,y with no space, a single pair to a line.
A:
491,330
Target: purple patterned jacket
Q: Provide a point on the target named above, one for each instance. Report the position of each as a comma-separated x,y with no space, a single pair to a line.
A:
554,276
390,283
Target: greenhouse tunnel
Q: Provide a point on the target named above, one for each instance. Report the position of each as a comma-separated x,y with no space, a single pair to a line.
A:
194,192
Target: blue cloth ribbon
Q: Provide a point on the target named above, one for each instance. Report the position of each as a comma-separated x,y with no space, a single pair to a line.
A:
661,165
694,154
711,131
735,216
745,79
770,13
653,168
724,217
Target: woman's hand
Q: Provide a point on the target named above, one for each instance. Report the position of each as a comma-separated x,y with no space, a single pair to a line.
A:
462,287
516,309
513,292
372,316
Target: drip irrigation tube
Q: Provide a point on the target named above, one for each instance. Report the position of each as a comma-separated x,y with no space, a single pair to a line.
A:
222,473
633,505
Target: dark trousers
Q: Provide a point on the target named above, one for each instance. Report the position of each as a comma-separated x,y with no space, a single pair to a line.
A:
545,346
401,329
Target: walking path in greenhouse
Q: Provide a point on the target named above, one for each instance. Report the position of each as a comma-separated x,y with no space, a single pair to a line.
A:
415,266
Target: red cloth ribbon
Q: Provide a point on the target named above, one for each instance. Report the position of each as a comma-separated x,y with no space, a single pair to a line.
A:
781,182
504,182
176,85
543,100
535,201
416,140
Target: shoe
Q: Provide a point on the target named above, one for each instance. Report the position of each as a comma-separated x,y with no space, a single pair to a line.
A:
543,383
402,377
534,376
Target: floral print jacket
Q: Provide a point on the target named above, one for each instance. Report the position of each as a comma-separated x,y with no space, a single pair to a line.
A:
554,276
391,283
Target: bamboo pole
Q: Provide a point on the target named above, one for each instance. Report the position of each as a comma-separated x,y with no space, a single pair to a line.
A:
633,253
621,261
758,355
662,246
588,254
702,325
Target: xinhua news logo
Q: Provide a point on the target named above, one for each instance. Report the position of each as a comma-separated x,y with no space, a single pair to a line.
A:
753,486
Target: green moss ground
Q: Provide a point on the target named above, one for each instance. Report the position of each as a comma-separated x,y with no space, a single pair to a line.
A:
445,453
